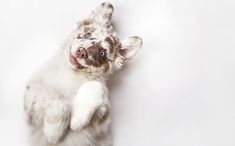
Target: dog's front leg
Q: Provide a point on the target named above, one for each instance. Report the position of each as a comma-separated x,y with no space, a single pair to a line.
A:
91,97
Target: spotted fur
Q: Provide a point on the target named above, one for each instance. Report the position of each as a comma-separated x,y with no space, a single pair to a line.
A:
67,102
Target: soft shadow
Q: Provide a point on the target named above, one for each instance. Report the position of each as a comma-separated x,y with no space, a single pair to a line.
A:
117,78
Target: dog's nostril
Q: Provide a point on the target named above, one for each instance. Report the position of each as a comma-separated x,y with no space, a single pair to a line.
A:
81,53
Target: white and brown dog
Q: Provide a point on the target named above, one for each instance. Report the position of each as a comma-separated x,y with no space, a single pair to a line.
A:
67,102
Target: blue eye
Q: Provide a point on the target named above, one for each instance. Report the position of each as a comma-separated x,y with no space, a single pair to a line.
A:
103,52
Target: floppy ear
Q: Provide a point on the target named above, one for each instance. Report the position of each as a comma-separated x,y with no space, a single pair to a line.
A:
130,47
102,14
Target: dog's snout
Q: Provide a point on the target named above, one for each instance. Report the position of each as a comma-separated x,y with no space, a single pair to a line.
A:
81,53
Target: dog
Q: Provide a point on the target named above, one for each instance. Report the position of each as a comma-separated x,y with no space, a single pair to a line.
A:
66,102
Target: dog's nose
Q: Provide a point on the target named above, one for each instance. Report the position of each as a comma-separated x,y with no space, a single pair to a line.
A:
81,53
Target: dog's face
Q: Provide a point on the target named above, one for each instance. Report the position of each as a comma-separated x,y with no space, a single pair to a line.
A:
95,47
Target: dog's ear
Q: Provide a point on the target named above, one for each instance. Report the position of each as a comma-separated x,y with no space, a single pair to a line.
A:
102,14
130,47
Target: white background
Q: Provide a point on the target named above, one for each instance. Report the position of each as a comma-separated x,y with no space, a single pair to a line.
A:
178,91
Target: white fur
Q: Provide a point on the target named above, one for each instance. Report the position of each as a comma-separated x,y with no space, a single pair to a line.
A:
131,45
67,105
90,96
59,98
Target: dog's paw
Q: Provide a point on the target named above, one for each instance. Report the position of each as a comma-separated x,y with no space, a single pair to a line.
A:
53,140
78,121
75,124
54,131
53,136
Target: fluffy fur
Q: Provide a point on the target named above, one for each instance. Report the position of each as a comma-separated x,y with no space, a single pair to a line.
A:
66,102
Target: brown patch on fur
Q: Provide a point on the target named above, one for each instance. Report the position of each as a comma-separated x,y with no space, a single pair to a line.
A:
118,47
106,67
113,38
103,4
117,44
107,5
96,60
86,22
110,6
111,43
107,16
88,29
109,26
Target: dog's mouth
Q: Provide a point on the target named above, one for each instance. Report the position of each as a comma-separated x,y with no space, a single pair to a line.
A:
74,62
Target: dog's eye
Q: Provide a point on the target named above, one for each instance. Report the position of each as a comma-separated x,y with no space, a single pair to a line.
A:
103,52
87,35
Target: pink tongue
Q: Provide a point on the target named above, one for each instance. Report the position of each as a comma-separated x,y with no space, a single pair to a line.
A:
73,60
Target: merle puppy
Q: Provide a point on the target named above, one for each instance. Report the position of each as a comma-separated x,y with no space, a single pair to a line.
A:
67,102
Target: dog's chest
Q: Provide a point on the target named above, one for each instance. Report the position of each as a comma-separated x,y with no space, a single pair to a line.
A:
63,80
68,83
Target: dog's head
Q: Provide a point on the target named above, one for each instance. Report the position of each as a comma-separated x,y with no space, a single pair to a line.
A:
94,45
